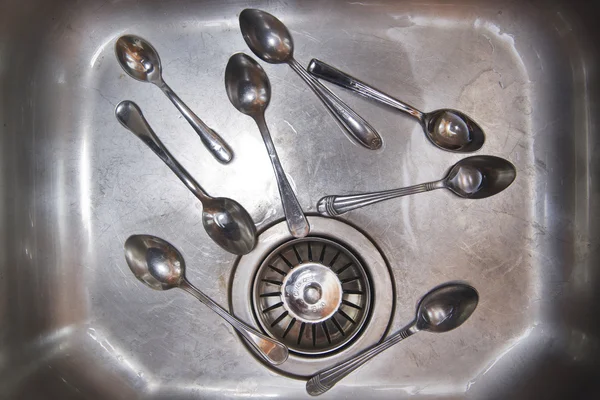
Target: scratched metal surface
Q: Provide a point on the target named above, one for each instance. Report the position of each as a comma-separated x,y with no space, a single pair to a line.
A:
75,184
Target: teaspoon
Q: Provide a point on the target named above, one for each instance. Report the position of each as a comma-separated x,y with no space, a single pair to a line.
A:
473,177
141,61
271,41
225,220
448,129
443,309
159,265
249,90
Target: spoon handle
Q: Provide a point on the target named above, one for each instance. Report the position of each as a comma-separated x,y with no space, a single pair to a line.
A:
353,123
271,350
333,205
130,116
211,140
326,379
294,216
325,71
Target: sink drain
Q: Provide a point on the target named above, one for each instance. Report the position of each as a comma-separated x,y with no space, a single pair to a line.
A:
327,296
313,294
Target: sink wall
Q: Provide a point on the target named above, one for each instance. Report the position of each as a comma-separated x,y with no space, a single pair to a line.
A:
74,184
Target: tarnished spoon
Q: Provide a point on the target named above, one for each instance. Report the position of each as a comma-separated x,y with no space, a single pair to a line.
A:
159,265
249,90
444,308
141,61
473,177
448,129
225,220
271,41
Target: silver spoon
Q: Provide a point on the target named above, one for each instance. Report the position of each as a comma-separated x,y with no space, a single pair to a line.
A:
270,40
227,223
141,61
444,308
448,129
159,265
473,177
249,90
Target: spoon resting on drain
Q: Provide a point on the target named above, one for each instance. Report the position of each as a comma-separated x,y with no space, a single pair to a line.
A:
448,129
475,177
226,222
140,60
441,310
160,266
249,90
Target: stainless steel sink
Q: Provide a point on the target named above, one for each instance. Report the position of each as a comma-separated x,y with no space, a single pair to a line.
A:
75,322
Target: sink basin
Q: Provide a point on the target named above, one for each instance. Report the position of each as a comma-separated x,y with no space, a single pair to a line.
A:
75,184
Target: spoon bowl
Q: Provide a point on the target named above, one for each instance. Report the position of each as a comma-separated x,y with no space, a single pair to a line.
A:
139,58
155,262
453,130
478,177
267,36
229,225
446,307
247,85
159,265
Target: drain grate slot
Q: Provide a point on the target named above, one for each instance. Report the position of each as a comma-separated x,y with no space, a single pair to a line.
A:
298,257
343,314
271,294
345,267
274,306
272,282
345,302
286,261
282,316
326,331
334,259
302,327
323,302
280,272
290,326
338,326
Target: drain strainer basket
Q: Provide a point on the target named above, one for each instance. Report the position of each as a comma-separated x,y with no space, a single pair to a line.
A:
341,277
313,294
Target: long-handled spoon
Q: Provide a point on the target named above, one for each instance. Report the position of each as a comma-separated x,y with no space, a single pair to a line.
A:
249,91
159,265
271,41
441,310
473,177
225,220
141,61
448,129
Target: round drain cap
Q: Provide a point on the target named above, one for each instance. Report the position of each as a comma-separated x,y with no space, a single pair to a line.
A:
311,292
327,296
